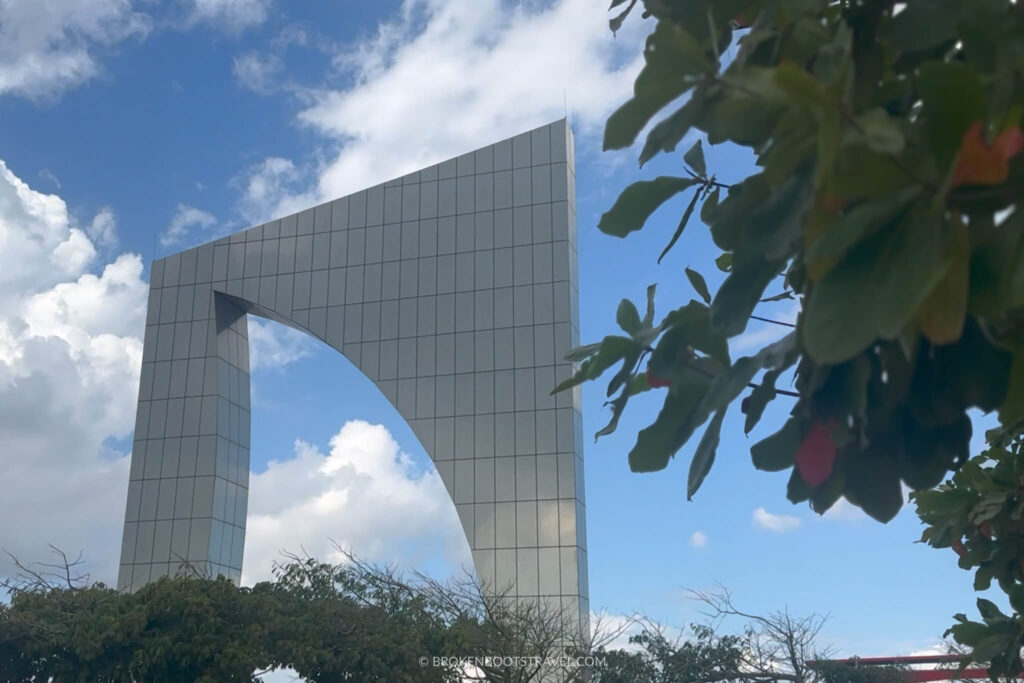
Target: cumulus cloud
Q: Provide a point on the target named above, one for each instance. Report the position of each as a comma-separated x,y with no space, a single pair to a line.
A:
465,71
269,187
103,228
364,495
38,244
777,523
274,346
187,220
46,47
70,354
234,15
699,539
70,351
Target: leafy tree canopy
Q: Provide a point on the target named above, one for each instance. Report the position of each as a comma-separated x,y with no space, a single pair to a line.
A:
886,203
888,140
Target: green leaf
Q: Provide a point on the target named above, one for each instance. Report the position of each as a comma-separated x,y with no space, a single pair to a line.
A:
758,400
704,456
859,223
996,255
690,326
873,483
1017,598
635,384
993,646
672,59
1012,410
649,315
728,217
667,133
697,280
798,490
615,23
862,173
618,405
969,633
627,317
952,99
776,225
827,493
922,25
739,294
830,139
875,290
625,372
724,262
638,201
682,225
731,383
989,611
801,87
695,159
943,312
882,132
928,454
582,352
612,349
777,452
658,442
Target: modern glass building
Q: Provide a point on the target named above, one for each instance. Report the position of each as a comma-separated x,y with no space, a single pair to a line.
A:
454,289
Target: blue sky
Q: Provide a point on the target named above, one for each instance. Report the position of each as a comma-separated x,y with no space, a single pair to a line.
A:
132,129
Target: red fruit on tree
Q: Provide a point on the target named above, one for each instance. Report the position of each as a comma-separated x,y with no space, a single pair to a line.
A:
985,529
654,381
980,163
817,454
958,548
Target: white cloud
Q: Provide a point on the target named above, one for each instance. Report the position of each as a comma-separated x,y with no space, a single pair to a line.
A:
269,186
39,246
777,523
262,70
699,539
186,218
234,15
70,352
47,45
257,72
103,229
443,77
272,345
365,495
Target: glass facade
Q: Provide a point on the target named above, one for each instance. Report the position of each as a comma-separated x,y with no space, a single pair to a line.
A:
454,289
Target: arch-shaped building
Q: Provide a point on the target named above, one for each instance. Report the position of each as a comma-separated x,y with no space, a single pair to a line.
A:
454,289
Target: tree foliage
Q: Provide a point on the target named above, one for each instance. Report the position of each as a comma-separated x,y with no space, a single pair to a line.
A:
328,622
887,137
978,513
